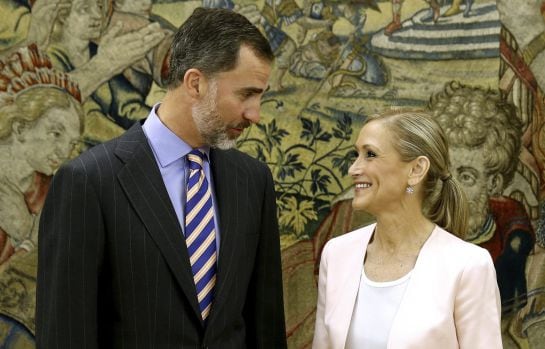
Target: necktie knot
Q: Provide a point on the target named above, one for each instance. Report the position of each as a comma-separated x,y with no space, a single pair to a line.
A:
195,158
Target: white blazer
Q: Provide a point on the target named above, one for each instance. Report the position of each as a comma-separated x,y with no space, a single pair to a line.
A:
451,301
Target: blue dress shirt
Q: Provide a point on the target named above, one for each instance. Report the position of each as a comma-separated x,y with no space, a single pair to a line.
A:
170,152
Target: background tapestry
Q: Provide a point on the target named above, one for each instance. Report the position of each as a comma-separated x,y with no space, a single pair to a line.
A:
75,73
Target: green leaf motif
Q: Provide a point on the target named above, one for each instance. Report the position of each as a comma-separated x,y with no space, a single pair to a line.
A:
319,182
260,155
296,214
312,131
273,134
288,164
343,128
344,162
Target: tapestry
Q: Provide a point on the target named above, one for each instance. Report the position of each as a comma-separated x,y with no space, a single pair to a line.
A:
76,73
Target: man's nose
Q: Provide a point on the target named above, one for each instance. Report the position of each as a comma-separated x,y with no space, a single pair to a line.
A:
252,114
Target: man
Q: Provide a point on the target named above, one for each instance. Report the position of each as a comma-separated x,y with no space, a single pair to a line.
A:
276,15
484,135
116,100
395,24
163,237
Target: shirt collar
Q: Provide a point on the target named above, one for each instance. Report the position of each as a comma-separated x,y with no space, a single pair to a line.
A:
166,145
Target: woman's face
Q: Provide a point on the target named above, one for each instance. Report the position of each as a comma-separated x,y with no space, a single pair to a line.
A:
84,20
47,143
380,177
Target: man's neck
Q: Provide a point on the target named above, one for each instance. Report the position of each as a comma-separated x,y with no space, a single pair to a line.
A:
176,114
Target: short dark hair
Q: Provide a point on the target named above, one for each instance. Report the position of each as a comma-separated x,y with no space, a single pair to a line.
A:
210,40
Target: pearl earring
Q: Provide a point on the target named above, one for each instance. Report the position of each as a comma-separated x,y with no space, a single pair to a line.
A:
410,189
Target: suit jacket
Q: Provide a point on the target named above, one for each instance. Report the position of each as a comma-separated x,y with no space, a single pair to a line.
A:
451,301
114,270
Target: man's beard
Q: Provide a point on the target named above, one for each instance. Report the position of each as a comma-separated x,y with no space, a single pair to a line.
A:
478,209
212,128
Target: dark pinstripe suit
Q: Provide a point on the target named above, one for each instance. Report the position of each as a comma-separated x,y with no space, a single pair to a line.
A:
114,270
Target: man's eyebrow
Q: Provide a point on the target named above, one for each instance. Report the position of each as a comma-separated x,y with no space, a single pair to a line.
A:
473,170
59,127
251,90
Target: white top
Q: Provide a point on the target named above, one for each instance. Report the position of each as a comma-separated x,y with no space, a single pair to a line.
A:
451,301
374,312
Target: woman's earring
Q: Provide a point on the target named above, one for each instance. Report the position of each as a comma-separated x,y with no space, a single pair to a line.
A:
410,189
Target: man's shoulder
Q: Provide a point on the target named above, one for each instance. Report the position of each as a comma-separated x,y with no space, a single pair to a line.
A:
241,159
98,154
96,159
506,206
113,151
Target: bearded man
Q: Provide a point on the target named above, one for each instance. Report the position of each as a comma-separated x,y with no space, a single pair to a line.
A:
484,135
166,237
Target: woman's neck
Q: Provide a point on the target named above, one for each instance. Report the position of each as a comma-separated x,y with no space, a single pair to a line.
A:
394,233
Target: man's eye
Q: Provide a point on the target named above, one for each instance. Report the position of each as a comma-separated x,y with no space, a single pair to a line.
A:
467,179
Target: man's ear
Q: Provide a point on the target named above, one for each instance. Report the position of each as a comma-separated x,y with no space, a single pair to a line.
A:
195,83
418,170
18,129
495,184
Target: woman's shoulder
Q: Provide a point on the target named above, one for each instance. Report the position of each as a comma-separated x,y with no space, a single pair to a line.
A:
358,236
454,248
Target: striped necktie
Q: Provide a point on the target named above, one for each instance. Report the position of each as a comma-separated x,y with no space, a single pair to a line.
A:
200,232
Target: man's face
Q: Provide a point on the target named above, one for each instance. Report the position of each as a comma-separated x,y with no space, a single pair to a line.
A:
469,169
50,140
84,20
232,101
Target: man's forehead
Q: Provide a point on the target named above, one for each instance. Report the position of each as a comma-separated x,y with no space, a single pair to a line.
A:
465,157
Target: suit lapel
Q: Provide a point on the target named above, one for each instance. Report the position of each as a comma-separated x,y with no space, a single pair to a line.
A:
230,186
349,275
420,289
145,189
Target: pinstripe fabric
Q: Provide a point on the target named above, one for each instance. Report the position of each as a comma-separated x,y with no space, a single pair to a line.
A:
200,232
114,270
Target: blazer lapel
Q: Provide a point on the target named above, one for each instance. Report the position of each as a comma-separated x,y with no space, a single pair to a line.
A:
144,187
229,186
349,275
420,289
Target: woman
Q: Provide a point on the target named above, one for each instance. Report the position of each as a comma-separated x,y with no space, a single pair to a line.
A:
406,281
40,122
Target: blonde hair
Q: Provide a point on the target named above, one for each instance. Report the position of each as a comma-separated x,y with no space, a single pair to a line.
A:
414,134
32,103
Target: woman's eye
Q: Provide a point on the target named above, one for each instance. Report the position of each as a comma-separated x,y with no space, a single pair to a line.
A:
370,154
